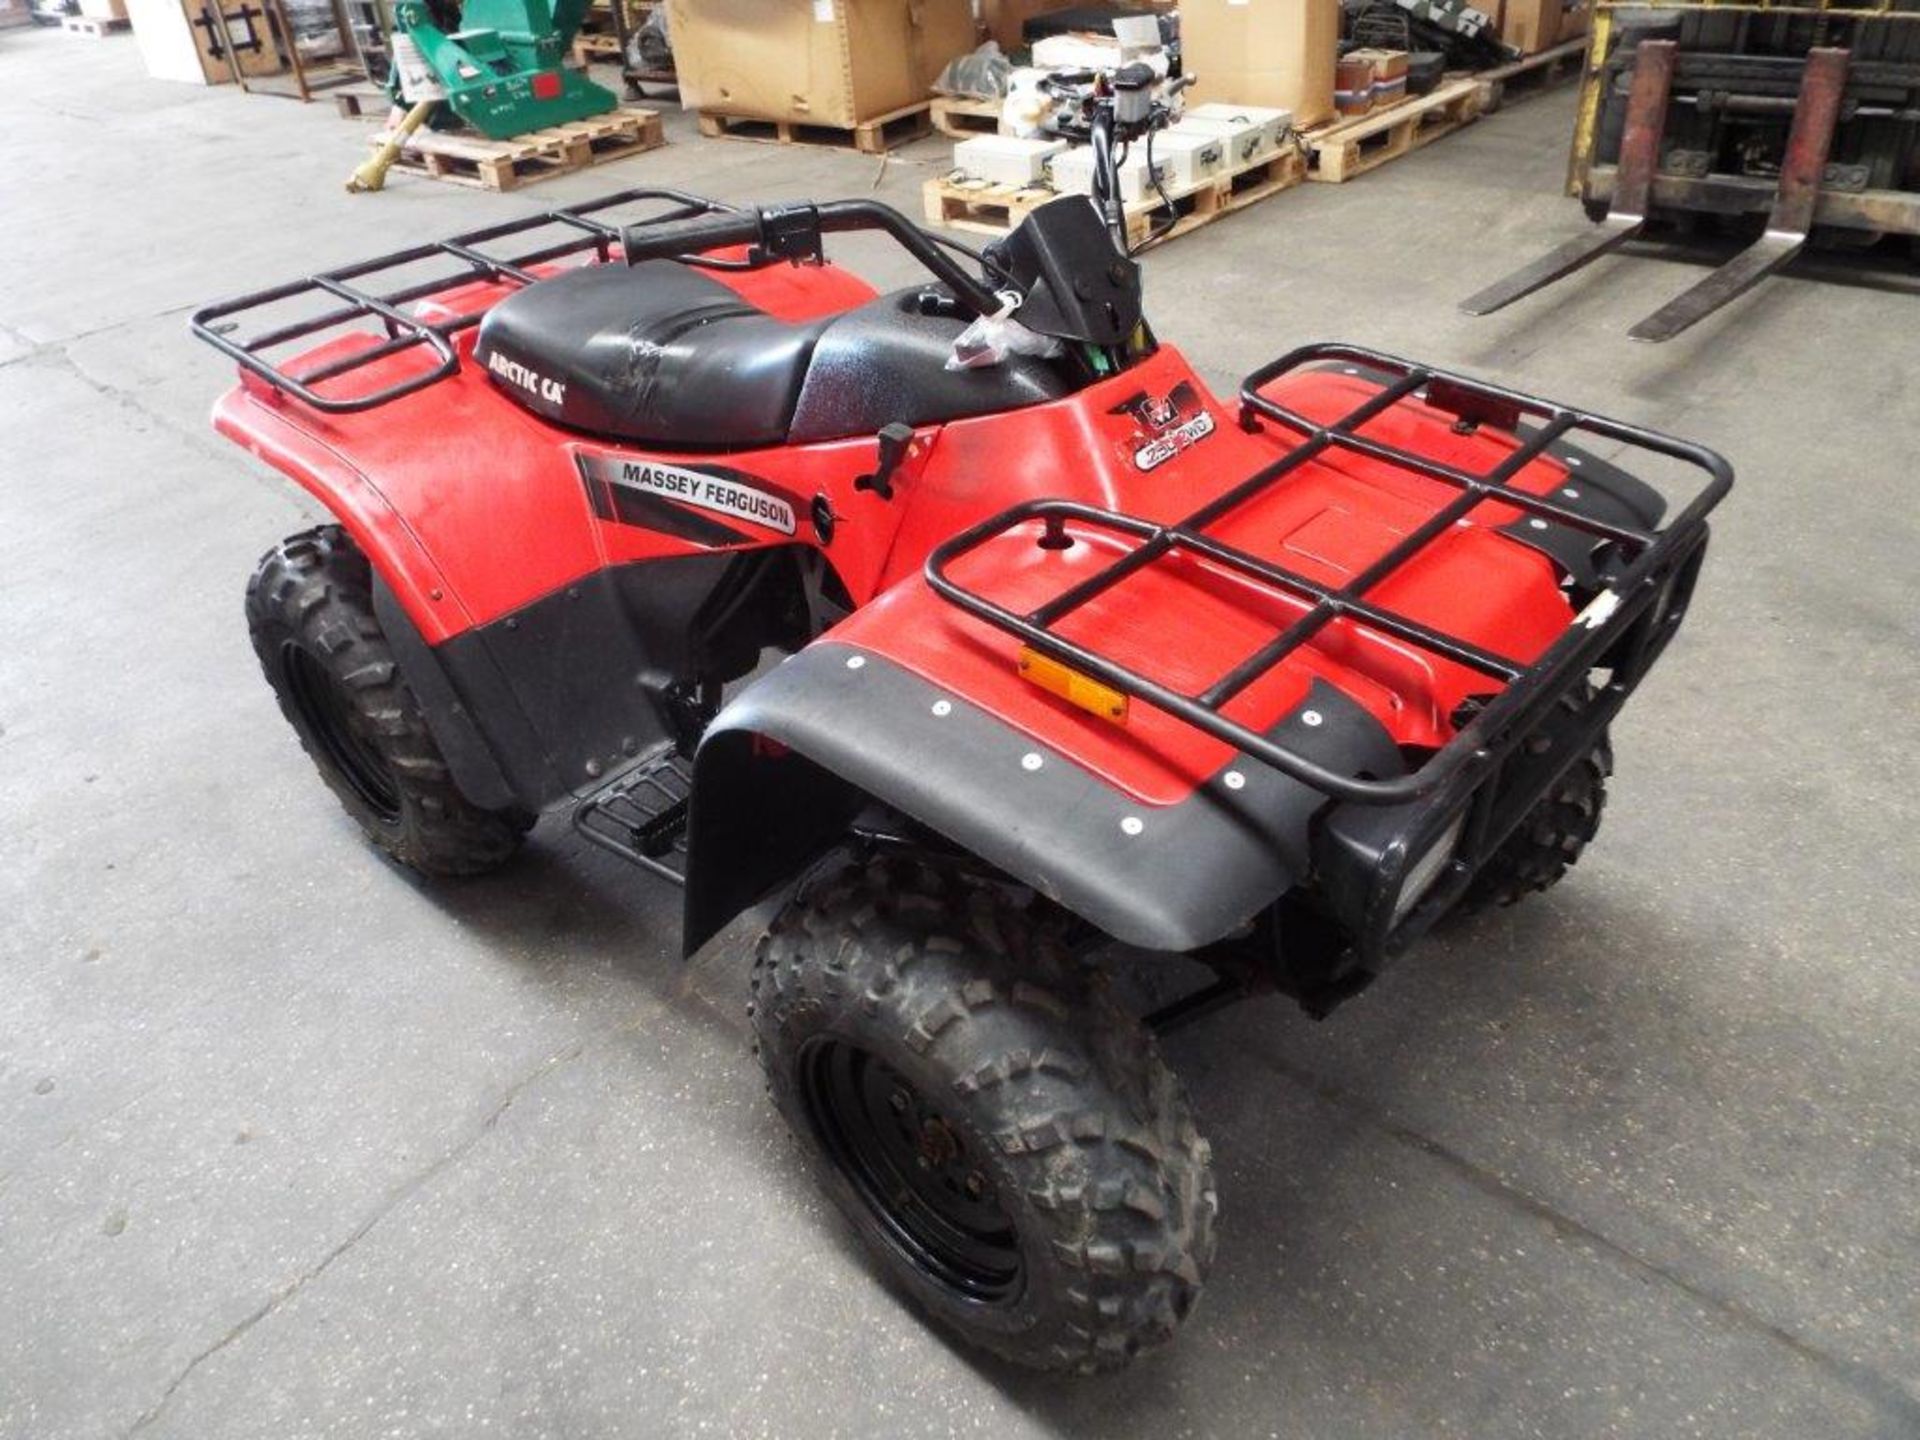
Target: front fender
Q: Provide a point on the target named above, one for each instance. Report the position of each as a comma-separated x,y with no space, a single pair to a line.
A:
784,769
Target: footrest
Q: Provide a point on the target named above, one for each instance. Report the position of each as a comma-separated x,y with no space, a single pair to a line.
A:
641,815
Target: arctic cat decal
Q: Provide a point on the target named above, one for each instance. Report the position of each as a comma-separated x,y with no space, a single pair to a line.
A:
721,493
1166,426
549,392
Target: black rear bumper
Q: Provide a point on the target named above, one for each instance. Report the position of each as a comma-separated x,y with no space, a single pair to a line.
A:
1365,856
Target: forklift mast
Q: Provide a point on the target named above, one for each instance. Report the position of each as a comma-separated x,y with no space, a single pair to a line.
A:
1800,119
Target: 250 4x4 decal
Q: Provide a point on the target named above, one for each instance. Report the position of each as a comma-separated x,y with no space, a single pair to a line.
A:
655,496
1165,427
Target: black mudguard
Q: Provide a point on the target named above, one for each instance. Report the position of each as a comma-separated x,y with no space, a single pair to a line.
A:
785,768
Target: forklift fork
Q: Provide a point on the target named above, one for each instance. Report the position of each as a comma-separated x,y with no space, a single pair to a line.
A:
1815,113
1801,169
1632,189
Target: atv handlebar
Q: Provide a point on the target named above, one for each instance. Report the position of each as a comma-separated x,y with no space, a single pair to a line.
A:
792,232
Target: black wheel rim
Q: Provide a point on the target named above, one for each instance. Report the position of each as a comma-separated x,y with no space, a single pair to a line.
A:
324,710
933,1198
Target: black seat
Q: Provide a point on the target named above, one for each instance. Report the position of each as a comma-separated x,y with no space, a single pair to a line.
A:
657,353
661,354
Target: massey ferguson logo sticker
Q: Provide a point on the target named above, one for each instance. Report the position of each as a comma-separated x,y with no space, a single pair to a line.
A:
1167,426
550,392
721,494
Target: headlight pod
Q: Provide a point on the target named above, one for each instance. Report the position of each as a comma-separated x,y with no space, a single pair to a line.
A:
1426,868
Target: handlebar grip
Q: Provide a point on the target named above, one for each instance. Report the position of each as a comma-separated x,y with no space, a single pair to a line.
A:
664,239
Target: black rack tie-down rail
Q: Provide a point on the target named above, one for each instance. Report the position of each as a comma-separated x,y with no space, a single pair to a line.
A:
360,301
1652,559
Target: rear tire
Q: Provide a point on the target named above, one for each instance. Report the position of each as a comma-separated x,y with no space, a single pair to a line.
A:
1544,846
1003,1135
310,613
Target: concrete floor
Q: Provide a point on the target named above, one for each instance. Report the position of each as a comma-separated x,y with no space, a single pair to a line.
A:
291,1145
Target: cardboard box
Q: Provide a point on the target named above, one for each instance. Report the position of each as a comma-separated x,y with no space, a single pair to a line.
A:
1263,52
1353,86
1389,69
1530,26
814,62
104,9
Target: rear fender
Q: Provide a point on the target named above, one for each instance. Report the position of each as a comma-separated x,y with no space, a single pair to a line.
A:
412,579
411,599
546,698
784,769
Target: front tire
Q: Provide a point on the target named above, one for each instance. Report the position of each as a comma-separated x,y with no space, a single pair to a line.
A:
1003,1135
310,613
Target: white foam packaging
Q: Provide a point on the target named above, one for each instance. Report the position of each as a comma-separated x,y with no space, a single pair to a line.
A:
1076,52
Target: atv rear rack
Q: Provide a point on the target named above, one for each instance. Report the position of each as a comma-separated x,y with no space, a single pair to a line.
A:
359,301
1640,603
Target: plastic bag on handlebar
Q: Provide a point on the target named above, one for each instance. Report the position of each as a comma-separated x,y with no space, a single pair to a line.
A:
990,339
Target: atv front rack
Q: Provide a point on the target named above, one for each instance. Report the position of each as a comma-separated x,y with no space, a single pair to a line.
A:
1621,629
356,289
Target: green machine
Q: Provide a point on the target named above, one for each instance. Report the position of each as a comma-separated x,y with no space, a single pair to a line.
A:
495,63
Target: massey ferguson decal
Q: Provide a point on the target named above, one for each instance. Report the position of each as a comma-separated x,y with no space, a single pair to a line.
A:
548,392
725,493
1165,427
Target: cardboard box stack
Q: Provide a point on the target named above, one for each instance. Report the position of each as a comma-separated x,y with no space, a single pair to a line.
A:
1278,53
814,62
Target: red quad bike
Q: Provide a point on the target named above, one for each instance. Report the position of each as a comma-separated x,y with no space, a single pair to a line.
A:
1074,653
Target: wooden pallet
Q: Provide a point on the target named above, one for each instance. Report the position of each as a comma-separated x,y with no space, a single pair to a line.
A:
92,27
871,137
1530,72
508,164
963,118
988,209
1346,148
358,100
596,48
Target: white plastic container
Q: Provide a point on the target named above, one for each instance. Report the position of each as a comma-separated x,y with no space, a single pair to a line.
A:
1072,172
1253,132
1190,157
1005,159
